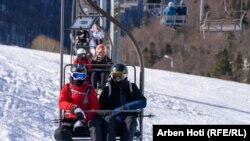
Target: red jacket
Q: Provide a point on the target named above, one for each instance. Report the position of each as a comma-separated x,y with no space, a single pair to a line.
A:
78,94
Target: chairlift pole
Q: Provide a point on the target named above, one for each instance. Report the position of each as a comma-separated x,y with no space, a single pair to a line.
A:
72,32
115,32
225,5
61,50
103,6
201,12
241,7
161,9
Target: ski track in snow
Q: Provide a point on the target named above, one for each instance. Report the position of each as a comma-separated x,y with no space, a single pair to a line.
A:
29,89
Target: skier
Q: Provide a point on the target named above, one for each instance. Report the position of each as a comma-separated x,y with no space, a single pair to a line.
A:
100,76
120,94
82,58
76,97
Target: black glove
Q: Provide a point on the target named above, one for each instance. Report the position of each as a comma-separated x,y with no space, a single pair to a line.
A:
78,125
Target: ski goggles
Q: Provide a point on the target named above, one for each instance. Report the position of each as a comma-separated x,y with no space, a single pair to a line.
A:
81,55
78,75
118,77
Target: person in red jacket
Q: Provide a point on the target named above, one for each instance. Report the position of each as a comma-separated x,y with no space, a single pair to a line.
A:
82,58
76,98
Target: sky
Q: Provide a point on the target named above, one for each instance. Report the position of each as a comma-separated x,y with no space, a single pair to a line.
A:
29,90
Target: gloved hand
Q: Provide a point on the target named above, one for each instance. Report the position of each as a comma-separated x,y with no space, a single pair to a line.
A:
78,124
117,111
80,115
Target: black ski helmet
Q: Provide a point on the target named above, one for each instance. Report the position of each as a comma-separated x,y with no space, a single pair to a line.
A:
119,73
119,69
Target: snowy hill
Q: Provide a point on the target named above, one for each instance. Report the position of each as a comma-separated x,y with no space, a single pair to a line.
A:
29,88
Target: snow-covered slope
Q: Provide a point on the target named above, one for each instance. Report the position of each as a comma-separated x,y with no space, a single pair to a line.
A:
29,88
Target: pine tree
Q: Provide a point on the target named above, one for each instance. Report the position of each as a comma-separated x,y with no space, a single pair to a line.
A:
153,54
222,67
237,66
146,57
145,19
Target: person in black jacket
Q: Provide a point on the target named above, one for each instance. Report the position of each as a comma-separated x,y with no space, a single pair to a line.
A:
101,73
120,95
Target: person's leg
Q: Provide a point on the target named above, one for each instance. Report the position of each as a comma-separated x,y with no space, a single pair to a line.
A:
129,128
110,128
94,79
63,133
96,129
104,77
92,46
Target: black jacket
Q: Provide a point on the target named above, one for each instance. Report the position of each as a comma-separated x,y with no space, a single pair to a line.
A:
104,60
121,95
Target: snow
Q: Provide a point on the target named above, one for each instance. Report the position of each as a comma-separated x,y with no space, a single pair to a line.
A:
29,89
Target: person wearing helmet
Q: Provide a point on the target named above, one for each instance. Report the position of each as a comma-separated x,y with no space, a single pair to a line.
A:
82,58
170,9
76,97
120,95
100,77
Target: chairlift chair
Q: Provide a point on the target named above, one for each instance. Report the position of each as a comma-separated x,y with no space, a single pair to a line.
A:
214,22
85,135
153,8
174,19
179,18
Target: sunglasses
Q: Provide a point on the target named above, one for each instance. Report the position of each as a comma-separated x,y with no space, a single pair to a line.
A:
78,75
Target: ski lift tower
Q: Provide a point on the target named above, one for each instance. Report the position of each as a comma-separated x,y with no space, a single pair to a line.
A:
115,32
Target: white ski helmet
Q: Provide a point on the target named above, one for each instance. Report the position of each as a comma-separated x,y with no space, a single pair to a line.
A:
81,51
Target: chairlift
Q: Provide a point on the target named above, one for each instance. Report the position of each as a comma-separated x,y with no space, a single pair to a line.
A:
226,21
153,8
174,15
85,135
